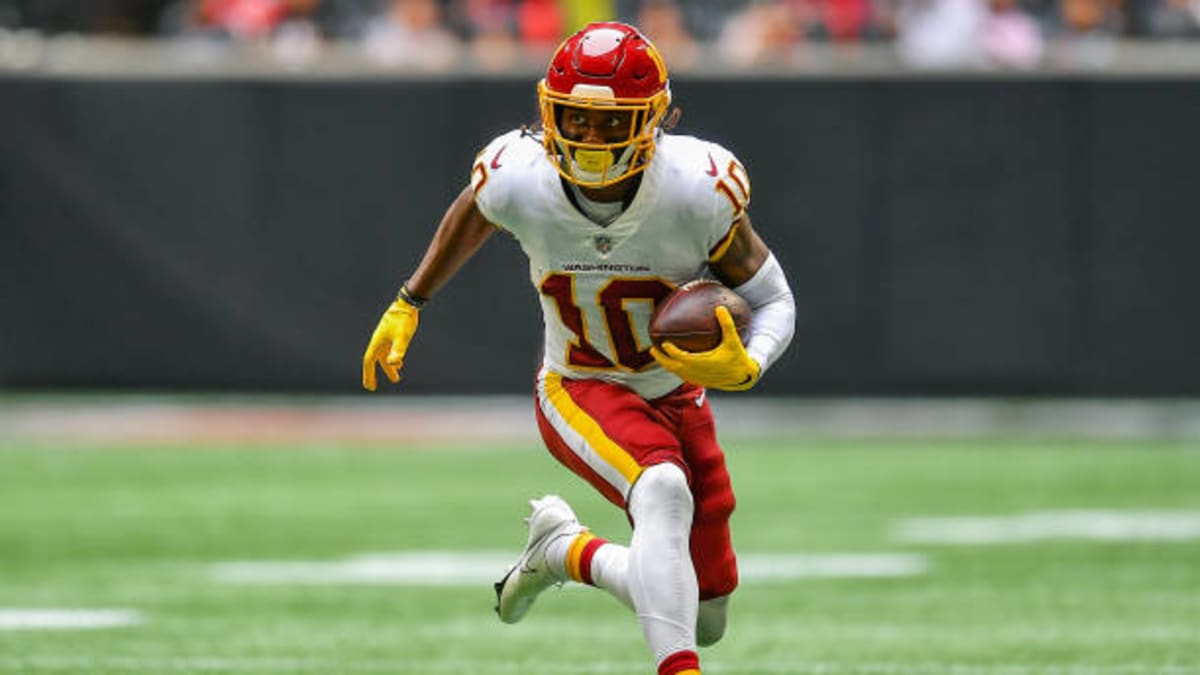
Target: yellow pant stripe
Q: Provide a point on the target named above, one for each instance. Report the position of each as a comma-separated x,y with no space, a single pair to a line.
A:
589,430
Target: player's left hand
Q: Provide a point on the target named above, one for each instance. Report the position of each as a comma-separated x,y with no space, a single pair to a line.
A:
389,343
727,366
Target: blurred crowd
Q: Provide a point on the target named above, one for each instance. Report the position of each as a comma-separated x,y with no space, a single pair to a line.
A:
439,34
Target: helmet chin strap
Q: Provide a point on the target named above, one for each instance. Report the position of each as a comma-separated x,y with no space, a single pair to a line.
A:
595,166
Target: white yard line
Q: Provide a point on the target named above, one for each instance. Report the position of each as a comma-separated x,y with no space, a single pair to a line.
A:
467,568
489,666
775,630
1095,525
789,566
49,619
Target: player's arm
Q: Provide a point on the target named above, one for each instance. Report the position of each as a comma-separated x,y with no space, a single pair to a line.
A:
462,231
744,256
460,234
751,270
749,267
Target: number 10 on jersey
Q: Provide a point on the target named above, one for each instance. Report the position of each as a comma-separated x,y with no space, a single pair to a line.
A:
612,300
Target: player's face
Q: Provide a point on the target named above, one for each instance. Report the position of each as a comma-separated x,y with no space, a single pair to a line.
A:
596,125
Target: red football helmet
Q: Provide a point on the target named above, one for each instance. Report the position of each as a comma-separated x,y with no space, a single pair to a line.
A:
609,66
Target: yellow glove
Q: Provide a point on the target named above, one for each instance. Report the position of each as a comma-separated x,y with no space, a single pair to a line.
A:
727,366
389,343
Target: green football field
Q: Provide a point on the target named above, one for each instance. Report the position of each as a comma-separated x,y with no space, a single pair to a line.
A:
872,557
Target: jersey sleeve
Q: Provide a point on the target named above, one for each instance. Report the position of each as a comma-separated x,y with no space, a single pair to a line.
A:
728,196
496,176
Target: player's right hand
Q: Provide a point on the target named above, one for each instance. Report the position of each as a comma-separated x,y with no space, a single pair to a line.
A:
389,343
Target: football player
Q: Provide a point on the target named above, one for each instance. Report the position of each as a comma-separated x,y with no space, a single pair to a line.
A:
614,214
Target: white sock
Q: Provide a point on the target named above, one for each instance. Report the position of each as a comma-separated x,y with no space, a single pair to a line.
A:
654,575
609,567
610,571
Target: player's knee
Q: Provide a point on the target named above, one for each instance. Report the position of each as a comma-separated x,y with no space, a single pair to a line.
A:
662,486
710,621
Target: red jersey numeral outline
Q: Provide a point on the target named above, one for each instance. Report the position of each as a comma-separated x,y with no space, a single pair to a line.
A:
479,176
738,193
612,299
479,172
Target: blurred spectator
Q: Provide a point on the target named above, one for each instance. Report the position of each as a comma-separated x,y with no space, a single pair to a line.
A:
766,33
490,25
468,18
247,19
1011,38
662,22
289,29
941,34
495,50
347,19
1085,34
1173,18
969,34
540,23
410,34
841,20
1081,17
706,19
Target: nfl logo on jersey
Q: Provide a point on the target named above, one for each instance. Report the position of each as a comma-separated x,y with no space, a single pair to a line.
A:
603,243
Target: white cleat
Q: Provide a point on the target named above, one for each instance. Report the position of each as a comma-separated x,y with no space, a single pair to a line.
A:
550,519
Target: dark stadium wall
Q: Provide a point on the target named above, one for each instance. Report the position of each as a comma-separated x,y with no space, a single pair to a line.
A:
943,236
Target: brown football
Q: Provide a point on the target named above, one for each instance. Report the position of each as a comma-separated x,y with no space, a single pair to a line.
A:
687,317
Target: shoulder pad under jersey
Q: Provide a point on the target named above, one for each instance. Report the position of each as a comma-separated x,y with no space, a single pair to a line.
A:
508,167
711,179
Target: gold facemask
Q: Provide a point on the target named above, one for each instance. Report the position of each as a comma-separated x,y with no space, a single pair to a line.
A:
601,164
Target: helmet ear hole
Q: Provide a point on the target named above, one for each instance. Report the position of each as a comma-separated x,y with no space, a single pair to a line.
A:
671,119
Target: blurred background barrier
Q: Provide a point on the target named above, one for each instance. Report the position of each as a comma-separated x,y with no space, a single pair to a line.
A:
945,235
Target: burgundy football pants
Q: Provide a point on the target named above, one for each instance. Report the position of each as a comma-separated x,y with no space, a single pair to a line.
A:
607,434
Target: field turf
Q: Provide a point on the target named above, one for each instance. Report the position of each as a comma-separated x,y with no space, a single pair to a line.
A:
142,529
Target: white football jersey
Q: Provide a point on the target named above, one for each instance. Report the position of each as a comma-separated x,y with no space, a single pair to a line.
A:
598,284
